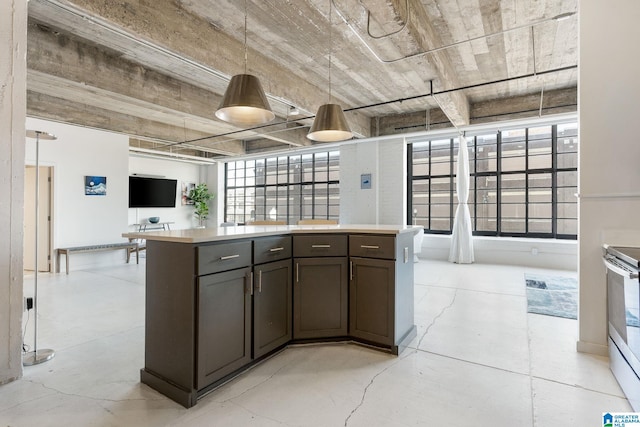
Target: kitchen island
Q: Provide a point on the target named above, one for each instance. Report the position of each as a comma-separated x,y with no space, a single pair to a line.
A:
219,300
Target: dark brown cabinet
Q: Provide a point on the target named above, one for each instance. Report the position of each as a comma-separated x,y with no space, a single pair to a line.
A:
271,306
320,307
381,289
372,300
214,308
320,291
224,325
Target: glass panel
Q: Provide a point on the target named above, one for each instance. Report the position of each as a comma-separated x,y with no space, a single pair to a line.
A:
283,170
282,205
568,226
420,162
486,203
321,173
271,203
320,201
441,157
250,173
260,172
294,169
307,201
440,203
334,201
540,225
486,153
513,150
420,202
261,201
307,168
334,166
272,171
539,148
567,210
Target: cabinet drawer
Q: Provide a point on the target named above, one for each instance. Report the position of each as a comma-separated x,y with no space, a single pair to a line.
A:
320,245
376,246
267,249
223,257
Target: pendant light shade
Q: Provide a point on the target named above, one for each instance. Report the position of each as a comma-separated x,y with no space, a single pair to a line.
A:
330,125
244,102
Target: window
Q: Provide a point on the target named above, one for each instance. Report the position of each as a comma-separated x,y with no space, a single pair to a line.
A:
286,188
522,182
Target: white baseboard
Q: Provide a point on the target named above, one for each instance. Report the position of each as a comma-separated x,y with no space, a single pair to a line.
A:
540,253
592,348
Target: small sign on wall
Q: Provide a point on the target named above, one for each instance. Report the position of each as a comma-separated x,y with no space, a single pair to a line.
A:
365,181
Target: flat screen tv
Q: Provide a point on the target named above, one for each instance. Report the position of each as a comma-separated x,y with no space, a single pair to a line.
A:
147,192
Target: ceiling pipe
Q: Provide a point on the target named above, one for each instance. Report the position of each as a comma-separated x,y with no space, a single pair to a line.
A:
560,17
409,98
384,36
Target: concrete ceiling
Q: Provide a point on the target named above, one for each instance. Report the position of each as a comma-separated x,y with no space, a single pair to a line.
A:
156,70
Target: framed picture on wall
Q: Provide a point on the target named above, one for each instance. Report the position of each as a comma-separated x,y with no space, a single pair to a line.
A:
365,181
95,185
186,189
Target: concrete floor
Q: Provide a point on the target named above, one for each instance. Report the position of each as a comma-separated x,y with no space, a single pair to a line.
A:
479,359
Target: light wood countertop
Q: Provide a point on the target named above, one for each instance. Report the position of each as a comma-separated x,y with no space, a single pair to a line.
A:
201,235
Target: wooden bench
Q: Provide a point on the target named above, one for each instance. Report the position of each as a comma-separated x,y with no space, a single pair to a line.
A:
127,246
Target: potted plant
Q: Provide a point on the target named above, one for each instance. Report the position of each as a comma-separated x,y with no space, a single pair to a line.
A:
201,196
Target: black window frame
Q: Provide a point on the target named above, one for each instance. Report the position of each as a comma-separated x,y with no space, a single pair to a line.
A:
498,175
297,211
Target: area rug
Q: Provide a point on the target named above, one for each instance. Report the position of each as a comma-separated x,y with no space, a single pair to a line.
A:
552,295
558,296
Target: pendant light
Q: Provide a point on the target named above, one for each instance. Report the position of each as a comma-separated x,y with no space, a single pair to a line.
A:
244,102
330,124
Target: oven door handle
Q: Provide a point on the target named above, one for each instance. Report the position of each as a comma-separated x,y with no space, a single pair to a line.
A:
620,271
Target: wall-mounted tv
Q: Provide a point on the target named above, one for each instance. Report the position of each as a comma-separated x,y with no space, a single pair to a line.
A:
145,192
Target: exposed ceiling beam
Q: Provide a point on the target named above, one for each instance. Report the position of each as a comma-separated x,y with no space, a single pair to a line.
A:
164,37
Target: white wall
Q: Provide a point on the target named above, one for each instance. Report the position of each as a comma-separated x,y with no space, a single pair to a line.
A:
385,202
609,183
182,215
85,220
13,107
79,219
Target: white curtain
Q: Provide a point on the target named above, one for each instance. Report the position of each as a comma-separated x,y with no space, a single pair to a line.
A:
461,251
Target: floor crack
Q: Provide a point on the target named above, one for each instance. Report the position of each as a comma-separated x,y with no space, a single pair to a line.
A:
453,300
98,399
254,386
366,389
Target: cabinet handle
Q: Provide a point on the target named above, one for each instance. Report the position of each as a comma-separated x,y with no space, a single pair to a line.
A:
320,246
297,272
260,281
224,258
251,283
369,247
276,249
350,270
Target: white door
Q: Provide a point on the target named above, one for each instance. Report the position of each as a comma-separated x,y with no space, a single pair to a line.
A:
44,219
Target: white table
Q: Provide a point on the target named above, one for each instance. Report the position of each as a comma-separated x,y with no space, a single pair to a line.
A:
153,226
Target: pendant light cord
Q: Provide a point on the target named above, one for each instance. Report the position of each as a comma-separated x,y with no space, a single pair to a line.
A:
330,46
245,36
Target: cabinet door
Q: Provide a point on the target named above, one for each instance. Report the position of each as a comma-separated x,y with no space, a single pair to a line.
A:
371,304
271,306
320,297
224,325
